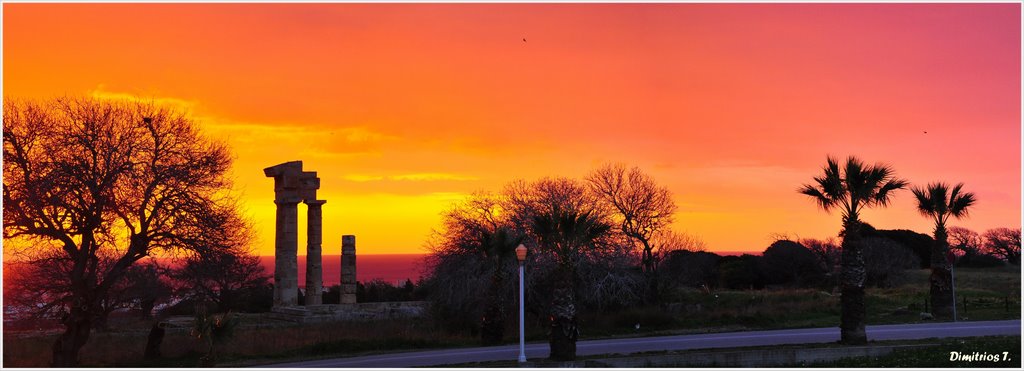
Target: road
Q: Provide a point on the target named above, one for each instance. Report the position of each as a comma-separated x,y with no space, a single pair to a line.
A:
676,342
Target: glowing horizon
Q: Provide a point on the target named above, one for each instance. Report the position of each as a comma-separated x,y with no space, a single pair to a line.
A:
403,109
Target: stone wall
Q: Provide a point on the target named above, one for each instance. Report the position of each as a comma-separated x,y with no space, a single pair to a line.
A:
351,312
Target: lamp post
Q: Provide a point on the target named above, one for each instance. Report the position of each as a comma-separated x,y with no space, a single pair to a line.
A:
521,255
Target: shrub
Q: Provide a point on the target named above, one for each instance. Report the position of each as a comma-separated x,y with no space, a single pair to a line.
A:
790,263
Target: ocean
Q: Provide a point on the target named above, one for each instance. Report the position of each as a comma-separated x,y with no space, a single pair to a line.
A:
391,268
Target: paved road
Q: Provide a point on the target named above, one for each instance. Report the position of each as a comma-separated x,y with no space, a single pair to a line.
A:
677,342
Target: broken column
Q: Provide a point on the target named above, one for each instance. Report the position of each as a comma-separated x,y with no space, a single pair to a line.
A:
286,270
348,269
286,243
314,262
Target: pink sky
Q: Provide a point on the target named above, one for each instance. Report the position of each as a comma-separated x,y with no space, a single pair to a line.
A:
405,108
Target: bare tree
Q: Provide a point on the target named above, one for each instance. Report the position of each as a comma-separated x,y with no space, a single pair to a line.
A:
101,184
668,241
827,251
228,278
1004,243
964,240
643,209
480,226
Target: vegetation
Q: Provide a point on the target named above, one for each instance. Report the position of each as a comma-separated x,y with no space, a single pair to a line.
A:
643,209
939,202
94,190
992,293
852,189
1004,243
939,356
93,186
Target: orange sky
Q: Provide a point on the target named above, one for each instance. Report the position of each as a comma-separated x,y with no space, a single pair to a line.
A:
404,109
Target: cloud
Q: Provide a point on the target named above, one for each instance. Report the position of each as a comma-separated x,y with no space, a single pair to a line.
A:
362,178
432,177
416,177
101,93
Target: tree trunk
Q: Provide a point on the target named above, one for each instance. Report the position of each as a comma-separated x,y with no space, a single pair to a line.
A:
941,280
564,332
852,277
153,342
492,328
77,326
653,288
650,273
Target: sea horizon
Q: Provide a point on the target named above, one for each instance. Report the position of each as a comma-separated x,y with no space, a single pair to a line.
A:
391,268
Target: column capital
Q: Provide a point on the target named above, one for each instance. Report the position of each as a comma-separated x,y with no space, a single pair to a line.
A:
287,202
315,202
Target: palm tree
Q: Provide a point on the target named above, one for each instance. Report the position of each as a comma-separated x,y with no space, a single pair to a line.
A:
479,226
499,247
565,232
939,202
852,189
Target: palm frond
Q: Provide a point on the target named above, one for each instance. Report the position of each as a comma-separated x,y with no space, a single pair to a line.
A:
924,202
823,201
960,202
884,192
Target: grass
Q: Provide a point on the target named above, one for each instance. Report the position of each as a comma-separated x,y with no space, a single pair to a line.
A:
987,290
251,344
992,294
1002,351
935,355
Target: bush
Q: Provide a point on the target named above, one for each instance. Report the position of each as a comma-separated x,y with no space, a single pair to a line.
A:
887,261
920,244
979,261
689,268
379,291
743,272
790,263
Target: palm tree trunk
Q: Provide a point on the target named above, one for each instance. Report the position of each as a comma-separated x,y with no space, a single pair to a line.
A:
492,328
852,277
564,332
941,280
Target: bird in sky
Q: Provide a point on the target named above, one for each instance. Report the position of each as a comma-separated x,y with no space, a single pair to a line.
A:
524,39
926,132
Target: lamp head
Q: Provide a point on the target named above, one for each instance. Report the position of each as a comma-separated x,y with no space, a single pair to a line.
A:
521,252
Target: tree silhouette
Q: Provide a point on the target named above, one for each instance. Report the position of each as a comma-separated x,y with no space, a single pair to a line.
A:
228,279
851,189
101,184
643,209
968,242
1004,243
940,202
566,221
480,226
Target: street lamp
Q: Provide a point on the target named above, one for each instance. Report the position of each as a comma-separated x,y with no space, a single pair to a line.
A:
521,255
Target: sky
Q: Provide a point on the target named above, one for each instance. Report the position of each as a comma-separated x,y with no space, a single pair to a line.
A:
404,109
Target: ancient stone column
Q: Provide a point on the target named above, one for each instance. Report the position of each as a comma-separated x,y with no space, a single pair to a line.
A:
286,246
348,269
287,185
314,262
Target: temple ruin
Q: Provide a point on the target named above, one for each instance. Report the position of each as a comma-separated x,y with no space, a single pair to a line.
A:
293,185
